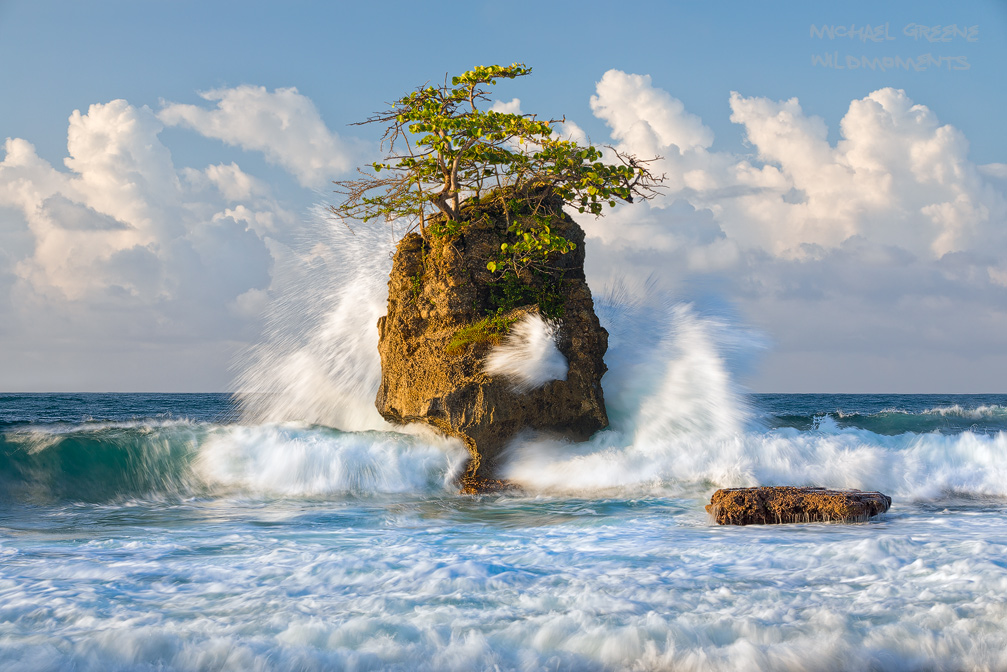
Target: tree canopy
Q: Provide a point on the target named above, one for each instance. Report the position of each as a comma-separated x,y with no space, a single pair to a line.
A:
444,149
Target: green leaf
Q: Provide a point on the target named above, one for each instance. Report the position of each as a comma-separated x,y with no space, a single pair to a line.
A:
438,138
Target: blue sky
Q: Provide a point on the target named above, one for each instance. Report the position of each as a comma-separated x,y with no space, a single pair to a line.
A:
874,265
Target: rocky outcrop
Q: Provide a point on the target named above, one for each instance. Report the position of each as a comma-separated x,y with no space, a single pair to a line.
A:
446,312
786,504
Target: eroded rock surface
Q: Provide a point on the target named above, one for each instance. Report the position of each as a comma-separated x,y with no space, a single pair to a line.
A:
787,504
433,349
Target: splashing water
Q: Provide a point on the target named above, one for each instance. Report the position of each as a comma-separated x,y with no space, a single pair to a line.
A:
292,460
318,361
678,421
132,541
670,399
528,357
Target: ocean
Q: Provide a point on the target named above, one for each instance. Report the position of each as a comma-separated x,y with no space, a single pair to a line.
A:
290,528
169,532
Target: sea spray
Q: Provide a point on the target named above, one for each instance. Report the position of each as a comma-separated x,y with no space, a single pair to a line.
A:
680,424
670,397
528,356
317,361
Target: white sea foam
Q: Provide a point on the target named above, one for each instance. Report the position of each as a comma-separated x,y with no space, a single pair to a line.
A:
300,460
413,587
909,466
978,413
528,356
679,422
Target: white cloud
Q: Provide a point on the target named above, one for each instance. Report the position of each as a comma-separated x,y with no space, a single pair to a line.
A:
234,184
897,176
997,276
567,130
284,125
512,107
638,113
888,243
994,170
124,244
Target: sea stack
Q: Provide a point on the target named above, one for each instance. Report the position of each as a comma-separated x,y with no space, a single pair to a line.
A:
447,312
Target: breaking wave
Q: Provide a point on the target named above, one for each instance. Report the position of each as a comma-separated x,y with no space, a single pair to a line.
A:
116,462
679,422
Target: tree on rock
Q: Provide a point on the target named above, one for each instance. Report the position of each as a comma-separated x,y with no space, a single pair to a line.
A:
443,150
486,191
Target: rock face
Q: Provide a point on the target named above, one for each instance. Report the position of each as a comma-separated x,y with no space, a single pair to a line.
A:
786,504
446,311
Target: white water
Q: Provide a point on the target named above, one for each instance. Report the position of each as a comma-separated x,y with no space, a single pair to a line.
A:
318,361
679,423
296,460
515,583
978,413
308,548
528,356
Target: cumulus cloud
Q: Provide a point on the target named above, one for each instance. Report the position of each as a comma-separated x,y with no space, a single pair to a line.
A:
887,241
564,129
897,176
122,245
511,107
640,114
284,125
124,221
885,244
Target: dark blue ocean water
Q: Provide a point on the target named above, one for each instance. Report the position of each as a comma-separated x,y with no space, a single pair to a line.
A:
19,410
886,413
164,532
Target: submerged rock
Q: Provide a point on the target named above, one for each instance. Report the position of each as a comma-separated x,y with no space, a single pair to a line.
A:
787,504
447,314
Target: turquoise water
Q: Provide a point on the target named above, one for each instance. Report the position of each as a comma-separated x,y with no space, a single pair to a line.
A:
162,532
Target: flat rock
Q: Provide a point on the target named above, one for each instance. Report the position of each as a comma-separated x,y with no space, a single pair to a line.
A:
789,504
476,485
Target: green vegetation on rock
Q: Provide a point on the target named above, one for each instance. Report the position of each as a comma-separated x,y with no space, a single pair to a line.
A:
488,330
482,197
447,158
